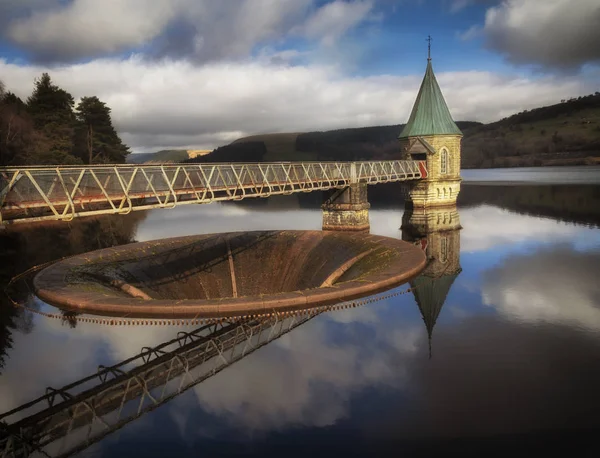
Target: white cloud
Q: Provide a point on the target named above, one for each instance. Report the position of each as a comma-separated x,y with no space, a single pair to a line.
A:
90,27
178,104
333,20
550,33
471,33
459,5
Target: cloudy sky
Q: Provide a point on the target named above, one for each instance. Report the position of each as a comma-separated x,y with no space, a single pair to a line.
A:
201,73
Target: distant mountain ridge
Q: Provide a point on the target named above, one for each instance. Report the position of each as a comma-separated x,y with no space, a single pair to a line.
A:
352,144
166,156
567,133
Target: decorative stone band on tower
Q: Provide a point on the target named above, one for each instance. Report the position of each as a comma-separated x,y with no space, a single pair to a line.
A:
432,136
346,209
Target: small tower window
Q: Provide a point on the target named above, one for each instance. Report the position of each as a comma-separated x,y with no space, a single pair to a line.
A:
444,162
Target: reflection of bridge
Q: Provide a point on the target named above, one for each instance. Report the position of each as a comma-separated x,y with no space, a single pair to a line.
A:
68,420
63,192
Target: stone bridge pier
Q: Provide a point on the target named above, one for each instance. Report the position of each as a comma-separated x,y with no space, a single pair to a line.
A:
346,209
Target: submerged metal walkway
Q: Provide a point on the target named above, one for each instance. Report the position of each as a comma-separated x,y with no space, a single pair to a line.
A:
64,192
68,420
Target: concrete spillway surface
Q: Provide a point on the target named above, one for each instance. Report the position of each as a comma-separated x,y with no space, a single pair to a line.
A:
230,274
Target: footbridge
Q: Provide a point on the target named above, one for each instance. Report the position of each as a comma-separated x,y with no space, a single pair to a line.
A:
42,193
68,420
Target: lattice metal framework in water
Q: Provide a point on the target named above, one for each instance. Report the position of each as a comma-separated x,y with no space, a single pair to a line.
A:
65,192
68,420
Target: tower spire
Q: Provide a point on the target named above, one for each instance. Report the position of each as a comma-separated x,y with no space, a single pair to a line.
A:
428,47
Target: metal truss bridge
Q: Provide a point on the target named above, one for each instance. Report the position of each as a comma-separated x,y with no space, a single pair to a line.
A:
68,420
41,193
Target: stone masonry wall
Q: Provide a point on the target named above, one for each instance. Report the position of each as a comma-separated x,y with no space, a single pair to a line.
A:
439,189
347,209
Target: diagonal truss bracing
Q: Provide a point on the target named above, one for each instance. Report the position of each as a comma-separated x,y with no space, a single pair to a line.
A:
65,192
66,421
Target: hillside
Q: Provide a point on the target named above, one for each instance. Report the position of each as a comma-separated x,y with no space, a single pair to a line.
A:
165,156
343,144
567,133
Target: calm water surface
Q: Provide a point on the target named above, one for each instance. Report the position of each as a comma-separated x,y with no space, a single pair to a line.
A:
501,356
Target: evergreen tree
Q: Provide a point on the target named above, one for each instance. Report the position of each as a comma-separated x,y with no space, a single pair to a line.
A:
96,139
51,110
16,131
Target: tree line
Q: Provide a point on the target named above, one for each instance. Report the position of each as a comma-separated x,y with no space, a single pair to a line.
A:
48,128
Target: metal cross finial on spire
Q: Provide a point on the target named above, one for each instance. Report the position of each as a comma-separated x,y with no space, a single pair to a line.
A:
428,47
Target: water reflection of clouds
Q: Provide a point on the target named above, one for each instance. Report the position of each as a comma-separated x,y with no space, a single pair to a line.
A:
217,217
53,355
554,285
484,227
306,377
309,376
487,227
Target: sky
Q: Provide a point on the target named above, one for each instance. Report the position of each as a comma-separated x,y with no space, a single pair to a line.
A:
197,74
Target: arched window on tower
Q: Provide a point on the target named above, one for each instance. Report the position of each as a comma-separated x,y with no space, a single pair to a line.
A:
444,161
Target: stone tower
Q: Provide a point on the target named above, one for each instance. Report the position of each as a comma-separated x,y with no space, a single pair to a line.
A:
432,136
437,231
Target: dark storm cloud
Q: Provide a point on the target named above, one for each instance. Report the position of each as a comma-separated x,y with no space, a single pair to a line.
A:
553,34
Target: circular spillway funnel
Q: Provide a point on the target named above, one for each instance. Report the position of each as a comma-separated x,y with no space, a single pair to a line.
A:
230,274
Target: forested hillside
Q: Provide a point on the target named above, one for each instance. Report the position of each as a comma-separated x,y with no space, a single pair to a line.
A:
567,133
48,128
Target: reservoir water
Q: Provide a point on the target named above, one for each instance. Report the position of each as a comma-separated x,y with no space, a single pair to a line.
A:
496,355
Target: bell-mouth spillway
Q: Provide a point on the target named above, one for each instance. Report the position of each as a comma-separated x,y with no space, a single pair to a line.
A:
229,274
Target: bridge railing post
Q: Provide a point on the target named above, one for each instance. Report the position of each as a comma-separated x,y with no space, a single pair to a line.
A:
353,176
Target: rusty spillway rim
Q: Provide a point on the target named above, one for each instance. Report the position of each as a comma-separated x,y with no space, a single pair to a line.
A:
52,286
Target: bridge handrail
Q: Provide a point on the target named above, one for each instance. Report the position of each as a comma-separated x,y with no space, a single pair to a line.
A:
32,193
53,168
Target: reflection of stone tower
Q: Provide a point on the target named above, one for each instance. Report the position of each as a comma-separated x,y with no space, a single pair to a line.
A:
432,136
437,231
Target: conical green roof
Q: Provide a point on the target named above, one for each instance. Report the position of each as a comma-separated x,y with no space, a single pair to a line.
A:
430,114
